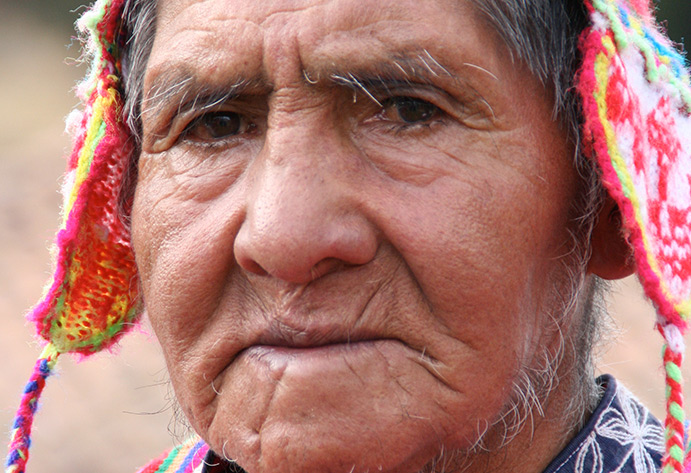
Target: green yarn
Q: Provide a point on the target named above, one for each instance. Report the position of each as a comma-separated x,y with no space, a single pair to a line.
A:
169,459
88,23
677,453
676,411
617,28
102,128
673,372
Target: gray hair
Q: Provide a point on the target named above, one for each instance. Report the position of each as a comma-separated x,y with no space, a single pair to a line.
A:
543,34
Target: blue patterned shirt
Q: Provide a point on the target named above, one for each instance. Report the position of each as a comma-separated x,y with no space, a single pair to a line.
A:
621,436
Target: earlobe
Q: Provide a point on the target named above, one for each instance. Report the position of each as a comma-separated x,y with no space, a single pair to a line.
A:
611,255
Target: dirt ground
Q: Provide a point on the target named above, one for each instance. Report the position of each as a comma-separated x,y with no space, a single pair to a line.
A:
112,413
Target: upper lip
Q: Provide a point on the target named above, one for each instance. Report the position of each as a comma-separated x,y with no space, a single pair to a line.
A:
279,333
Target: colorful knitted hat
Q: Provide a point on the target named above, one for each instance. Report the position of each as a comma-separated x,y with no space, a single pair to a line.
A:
636,100
92,298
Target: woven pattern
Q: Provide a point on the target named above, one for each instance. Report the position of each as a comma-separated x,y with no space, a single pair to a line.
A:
636,103
93,295
182,459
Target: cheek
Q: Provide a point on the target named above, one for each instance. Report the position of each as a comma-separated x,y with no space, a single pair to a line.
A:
485,242
472,242
176,227
183,248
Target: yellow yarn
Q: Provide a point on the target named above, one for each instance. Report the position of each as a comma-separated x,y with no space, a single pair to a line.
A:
602,73
93,136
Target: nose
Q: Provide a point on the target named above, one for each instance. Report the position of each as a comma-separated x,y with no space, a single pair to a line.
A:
303,217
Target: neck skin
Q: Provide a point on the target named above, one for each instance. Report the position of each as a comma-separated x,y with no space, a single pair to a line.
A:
546,431
539,442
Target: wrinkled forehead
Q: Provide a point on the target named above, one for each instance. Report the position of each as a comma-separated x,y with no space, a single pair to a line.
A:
345,13
267,40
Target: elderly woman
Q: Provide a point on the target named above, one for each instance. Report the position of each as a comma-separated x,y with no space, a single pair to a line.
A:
370,235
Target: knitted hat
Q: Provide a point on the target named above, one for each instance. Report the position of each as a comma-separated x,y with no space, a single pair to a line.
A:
636,100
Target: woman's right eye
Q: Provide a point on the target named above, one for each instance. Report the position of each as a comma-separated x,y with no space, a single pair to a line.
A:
216,126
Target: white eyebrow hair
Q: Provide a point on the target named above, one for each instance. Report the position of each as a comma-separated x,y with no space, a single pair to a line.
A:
419,68
174,87
183,89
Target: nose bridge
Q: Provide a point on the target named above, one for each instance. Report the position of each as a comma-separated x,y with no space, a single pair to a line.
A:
302,219
295,190
302,171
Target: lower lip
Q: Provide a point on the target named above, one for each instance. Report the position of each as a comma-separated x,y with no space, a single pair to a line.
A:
325,355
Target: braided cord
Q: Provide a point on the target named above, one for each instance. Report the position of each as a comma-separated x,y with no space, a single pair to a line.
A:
18,452
674,421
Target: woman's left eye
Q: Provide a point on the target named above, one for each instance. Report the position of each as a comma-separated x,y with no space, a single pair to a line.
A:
216,126
410,110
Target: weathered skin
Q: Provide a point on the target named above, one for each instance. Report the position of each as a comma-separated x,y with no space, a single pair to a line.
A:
335,289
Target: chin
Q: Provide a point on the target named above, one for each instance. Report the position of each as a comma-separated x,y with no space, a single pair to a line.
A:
287,450
361,408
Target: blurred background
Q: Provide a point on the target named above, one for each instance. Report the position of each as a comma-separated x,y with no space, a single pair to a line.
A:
113,413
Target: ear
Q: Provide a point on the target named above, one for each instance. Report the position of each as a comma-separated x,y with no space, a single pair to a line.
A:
611,255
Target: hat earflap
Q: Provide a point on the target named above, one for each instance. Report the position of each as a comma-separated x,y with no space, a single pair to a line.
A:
636,101
93,297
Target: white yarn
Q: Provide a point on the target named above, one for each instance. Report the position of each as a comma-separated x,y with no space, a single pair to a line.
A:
675,341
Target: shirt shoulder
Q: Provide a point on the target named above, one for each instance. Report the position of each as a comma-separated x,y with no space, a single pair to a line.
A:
621,436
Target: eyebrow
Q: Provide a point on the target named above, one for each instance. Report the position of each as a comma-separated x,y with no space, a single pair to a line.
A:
182,88
420,68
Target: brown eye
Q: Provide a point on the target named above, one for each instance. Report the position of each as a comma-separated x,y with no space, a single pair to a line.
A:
215,126
410,110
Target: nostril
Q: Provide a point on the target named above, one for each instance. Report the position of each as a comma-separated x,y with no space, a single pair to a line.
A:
249,265
325,266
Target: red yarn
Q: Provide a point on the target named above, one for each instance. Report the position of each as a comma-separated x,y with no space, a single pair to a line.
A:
674,427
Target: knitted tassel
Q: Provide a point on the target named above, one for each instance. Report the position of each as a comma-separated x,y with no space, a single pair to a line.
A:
18,452
93,296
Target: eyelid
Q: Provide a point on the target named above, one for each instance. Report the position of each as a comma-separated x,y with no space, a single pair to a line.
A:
188,115
467,107
446,103
167,138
